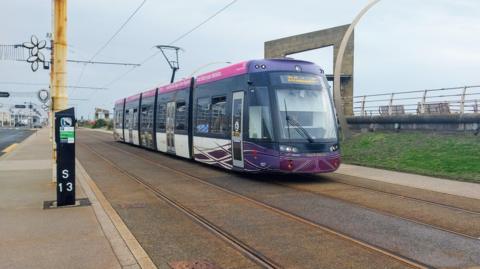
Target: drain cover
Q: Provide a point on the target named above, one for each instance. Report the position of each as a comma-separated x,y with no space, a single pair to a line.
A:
197,264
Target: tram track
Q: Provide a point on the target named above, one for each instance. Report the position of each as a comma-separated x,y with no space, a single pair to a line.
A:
242,247
469,235
393,194
236,243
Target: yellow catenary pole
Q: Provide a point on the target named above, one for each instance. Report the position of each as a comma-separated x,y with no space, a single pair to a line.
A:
59,69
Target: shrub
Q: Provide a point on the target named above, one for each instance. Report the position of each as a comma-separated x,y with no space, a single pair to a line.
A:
100,123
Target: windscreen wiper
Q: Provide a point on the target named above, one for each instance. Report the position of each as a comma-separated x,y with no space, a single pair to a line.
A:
300,129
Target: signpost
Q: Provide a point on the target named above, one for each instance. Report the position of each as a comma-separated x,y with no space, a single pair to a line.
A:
65,139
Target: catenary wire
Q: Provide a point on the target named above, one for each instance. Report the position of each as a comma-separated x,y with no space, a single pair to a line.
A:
110,39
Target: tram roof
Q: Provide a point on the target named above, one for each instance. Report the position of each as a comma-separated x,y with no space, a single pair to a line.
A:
251,66
256,66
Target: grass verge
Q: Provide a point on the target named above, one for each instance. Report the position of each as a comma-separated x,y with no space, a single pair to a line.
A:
454,156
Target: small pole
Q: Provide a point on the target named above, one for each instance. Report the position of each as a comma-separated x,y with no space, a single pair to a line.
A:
363,105
424,100
462,100
390,104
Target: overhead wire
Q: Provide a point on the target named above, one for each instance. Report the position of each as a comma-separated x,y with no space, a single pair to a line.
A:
110,39
171,43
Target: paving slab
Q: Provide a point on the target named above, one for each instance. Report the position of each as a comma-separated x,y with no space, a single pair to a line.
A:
33,237
459,188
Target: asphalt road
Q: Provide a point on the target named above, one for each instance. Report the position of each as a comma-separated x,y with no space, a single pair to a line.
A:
9,136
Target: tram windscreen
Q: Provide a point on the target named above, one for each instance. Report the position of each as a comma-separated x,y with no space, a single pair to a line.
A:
305,108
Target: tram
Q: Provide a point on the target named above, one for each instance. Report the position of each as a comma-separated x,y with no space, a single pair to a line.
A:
269,115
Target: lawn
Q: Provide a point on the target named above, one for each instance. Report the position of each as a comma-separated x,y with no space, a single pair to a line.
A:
455,156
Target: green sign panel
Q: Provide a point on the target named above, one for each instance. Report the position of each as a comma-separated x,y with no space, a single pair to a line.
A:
67,135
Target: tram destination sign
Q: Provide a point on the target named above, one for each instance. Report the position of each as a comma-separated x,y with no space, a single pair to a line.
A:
65,140
300,79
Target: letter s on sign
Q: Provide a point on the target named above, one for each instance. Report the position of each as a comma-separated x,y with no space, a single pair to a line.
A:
65,173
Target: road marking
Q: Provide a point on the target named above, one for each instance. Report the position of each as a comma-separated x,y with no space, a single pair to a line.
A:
10,148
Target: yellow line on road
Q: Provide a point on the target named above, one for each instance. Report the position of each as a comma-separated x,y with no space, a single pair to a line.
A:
10,148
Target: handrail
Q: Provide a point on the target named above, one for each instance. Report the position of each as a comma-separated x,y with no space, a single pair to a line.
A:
452,100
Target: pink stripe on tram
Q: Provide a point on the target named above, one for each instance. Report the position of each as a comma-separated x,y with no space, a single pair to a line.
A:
182,84
133,98
149,93
229,71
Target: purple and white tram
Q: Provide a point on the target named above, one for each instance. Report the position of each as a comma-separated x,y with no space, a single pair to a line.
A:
272,115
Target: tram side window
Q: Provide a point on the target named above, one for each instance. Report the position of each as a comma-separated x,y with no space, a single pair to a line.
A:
118,118
260,120
181,116
135,119
202,113
127,118
161,114
147,117
219,115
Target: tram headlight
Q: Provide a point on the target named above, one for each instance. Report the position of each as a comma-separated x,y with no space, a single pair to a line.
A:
288,149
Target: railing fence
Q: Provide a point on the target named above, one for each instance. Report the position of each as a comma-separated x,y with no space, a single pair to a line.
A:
455,100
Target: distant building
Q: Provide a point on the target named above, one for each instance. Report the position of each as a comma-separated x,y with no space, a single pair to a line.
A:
102,114
5,118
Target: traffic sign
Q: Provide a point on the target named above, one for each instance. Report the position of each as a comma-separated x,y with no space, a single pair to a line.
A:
4,94
43,95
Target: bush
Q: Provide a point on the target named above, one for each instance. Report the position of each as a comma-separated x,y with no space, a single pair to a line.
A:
100,123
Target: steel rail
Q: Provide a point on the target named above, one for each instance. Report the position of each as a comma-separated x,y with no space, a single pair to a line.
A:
379,211
359,242
410,197
236,243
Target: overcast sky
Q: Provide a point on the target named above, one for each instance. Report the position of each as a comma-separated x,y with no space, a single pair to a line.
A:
399,45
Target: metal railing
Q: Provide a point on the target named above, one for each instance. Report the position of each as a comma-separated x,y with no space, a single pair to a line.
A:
456,100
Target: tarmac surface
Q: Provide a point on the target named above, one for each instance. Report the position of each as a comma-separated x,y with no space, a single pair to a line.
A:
432,228
9,136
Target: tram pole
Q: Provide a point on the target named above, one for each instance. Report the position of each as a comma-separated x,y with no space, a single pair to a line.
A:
58,73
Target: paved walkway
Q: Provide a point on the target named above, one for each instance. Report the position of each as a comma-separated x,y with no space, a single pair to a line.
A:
466,189
32,237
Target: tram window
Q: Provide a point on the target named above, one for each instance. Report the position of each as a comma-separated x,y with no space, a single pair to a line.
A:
202,114
181,116
260,120
219,118
135,119
118,118
161,114
147,117
127,118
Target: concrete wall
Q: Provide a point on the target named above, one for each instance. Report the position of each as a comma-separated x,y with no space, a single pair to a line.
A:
437,123
283,47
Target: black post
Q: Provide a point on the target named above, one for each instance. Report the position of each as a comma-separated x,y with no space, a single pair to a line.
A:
173,74
65,139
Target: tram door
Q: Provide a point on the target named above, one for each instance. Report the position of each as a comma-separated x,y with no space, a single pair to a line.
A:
170,127
237,129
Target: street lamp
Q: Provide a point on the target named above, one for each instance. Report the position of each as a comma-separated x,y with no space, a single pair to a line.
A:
207,65
174,64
